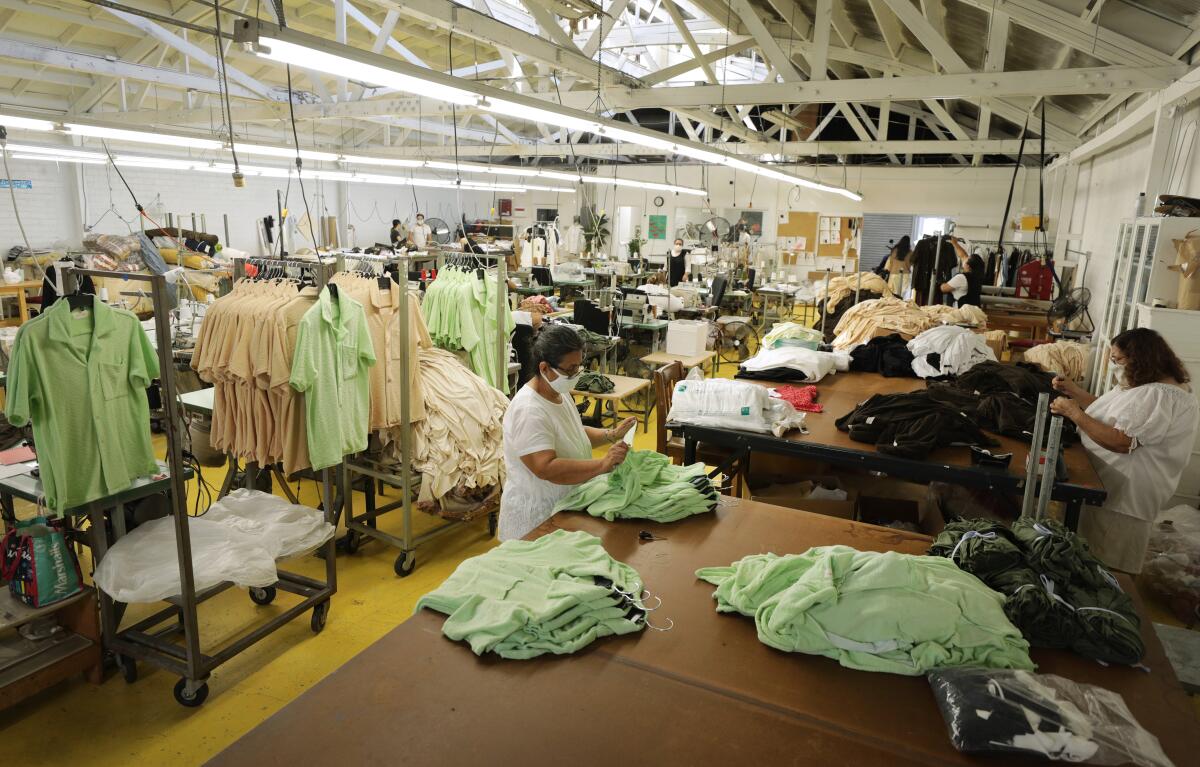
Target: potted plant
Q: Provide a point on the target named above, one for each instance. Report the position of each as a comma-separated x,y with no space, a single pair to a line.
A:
635,244
596,234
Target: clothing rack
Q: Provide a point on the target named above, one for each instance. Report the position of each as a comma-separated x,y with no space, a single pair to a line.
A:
321,269
477,260
364,525
137,642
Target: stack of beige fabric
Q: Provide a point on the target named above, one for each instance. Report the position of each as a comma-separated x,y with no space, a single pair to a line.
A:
943,314
458,445
878,317
840,287
1067,358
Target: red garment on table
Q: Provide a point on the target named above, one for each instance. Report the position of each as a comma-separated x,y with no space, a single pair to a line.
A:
801,397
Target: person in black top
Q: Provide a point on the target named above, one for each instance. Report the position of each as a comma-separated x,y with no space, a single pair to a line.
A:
679,264
397,232
966,287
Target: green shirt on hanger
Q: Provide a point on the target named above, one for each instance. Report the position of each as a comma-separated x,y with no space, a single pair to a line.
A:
333,352
81,378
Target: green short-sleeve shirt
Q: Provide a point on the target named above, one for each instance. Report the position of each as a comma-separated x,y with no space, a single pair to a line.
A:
81,378
333,354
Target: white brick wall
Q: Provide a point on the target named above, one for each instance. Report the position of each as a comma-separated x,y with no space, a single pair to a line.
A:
46,210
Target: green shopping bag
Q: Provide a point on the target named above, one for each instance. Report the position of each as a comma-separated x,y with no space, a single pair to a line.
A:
39,564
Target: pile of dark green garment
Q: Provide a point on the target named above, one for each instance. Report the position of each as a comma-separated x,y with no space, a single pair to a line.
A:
596,383
1057,592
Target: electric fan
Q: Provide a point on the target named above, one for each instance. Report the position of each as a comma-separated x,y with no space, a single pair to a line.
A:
716,228
1069,307
440,230
737,340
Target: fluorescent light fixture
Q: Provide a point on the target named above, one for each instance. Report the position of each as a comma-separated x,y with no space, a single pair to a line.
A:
26,123
141,137
630,137
533,114
57,158
702,155
643,185
341,66
391,161
284,151
60,152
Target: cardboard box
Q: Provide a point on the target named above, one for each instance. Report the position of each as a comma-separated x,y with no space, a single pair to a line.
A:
792,495
687,338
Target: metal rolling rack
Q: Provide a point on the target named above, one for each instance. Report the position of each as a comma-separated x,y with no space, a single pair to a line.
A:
321,270
364,525
137,643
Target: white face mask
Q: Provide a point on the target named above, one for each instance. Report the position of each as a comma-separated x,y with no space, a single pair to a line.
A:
420,222
562,384
676,250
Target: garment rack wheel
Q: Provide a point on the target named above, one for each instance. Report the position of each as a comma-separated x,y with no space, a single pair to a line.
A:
320,614
405,563
263,596
351,541
189,695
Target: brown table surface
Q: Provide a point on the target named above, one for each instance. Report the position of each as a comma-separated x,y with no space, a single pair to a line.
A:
842,392
706,692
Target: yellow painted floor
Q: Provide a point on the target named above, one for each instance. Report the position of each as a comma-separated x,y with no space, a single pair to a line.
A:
121,724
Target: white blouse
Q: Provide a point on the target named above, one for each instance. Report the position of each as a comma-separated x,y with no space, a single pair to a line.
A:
1161,419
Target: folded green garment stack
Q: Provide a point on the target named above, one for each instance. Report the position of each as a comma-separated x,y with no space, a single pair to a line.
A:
1057,592
645,486
596,383
522,599
890,612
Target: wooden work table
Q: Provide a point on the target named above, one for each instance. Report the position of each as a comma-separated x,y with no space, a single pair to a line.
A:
706,692
842,392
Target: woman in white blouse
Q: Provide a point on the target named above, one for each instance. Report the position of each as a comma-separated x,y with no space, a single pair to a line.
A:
1139,437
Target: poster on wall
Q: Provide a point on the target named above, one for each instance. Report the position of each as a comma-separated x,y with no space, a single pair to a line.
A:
752,220
505,205
658,227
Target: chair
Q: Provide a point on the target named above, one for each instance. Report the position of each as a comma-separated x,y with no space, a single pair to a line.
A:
665,379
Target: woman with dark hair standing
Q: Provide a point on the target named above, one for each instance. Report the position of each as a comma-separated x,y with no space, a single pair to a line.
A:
897,264
967,286
547,449
1139,436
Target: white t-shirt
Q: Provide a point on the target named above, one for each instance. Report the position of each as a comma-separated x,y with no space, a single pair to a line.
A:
532,424
958,286
1162,420
420,234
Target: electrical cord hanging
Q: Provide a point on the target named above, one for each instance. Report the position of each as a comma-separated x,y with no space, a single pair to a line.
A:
223,93
16,210
299,163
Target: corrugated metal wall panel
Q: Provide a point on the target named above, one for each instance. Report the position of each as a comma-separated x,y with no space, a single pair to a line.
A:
878,229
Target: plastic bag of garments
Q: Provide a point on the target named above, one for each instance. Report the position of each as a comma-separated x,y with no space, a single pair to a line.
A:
238,539
813,364
1018,712
1172,569
731,405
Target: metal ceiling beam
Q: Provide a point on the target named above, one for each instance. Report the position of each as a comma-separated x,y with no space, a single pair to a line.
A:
766,43
997,46
967,86
889,26
933,42
1069,29
74,61
675,70
822,27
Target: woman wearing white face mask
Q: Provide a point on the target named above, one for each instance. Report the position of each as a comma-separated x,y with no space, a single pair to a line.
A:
679,266
547,449
1139,436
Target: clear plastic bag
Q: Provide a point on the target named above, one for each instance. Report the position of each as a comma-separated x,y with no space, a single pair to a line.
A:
1172,567
731,405
1019,712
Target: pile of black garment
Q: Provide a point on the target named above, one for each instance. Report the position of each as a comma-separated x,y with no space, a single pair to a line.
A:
1057,593
888,355
910,425
842,307
931,254
1021,713
1002,398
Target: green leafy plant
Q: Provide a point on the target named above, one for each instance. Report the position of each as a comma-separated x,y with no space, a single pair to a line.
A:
596,236
635,243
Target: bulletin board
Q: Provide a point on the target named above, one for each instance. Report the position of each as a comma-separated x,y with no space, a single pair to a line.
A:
826,232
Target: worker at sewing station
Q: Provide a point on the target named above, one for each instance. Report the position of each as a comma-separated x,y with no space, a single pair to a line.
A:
547,449
967,286
1139,436
679,264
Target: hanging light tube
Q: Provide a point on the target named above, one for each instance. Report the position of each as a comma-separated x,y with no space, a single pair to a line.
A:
141,137
26,123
